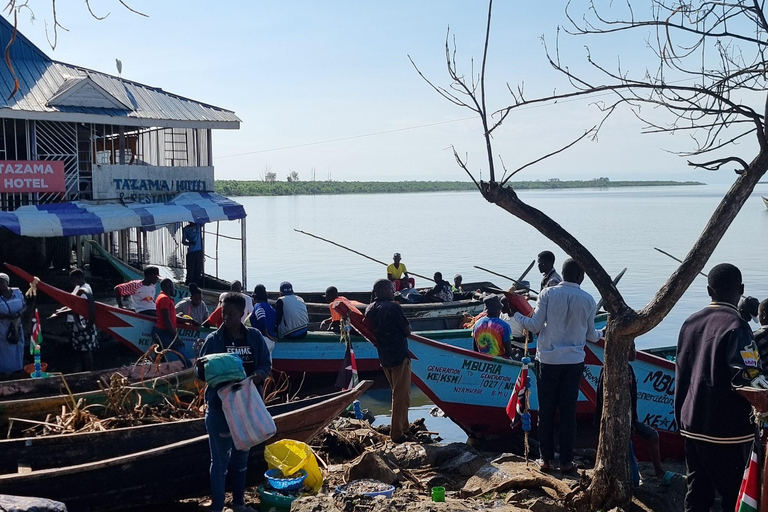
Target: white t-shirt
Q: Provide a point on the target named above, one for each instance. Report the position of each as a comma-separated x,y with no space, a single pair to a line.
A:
517,329
144,298
248,304
87,289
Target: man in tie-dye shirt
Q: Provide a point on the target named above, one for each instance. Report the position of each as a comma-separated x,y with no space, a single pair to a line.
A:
493,335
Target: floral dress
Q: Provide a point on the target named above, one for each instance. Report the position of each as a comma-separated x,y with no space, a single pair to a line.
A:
11,354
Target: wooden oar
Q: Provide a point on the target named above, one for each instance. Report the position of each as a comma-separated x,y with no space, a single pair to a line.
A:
358,253
517,283
615,282
676,259
522,276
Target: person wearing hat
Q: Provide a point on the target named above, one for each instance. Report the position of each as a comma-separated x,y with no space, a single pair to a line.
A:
748,309
12,306
398,274
491,334
334,322
291,317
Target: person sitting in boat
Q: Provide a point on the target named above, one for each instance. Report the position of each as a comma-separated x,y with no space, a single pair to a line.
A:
457,280
263,316
392,328
491,334
334,322
141,292
441,292
291,317
398,274
193,306
761,335
518,333
82,333
12,306
164,331
248,344
237,287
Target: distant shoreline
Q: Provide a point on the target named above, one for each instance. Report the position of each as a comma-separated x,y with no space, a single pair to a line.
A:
295,188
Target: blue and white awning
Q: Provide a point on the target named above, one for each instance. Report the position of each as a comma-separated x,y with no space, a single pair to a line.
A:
80,218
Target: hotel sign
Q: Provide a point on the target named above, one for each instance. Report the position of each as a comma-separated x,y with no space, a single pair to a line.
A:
24,176
149,184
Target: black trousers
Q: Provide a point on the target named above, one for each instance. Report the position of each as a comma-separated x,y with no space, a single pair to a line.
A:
714,468
558,387
195,267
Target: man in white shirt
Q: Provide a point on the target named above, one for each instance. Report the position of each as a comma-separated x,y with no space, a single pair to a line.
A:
141,292
565,320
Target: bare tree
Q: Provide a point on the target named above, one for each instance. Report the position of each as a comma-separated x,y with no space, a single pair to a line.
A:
708,81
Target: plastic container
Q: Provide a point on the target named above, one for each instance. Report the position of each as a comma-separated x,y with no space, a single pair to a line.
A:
387,492
30,368
438,494
278,481
358,410
272,500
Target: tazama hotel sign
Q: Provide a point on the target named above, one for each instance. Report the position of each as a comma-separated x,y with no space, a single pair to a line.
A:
23,176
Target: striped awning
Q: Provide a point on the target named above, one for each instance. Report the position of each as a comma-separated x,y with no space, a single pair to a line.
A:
81,218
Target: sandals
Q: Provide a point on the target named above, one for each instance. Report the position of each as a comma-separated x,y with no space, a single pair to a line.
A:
669,477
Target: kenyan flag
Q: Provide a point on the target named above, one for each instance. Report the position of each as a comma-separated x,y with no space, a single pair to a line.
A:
37,333
749,494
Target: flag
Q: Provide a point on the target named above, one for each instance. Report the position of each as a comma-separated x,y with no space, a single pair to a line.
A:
749,493
348,378
37,334
517,404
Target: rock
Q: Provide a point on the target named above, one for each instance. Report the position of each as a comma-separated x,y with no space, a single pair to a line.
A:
466,464
438,454
509,475
370,465
427,506
438,481
409,455
314,504
543,505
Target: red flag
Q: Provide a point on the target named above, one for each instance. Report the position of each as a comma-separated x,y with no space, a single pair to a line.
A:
749,494
516,404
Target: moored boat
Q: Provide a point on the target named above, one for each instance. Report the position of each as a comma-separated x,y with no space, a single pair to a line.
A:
150,464
473,389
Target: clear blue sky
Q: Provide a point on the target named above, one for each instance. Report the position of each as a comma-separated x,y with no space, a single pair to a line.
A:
302,72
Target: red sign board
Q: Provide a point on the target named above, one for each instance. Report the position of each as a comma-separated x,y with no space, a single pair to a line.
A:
31,176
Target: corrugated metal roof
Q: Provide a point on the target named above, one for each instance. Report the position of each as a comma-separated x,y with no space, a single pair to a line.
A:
41,78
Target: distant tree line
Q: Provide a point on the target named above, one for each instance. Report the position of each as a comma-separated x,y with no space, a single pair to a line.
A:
294,187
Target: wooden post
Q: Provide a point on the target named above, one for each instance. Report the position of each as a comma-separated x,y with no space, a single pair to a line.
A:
244,253
217,248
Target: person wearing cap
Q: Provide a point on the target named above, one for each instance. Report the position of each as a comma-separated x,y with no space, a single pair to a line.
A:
748,309
141,291
491,334
334,322
565,320
398,274
12,304
291,317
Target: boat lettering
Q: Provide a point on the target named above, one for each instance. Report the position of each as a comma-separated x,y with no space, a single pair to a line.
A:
490,384
492,376
590,376
442,377
188,333
662,382
477,366
657,399
467,391
660,422
443,369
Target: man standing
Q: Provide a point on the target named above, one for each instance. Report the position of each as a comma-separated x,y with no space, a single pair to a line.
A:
715,353
142,293
565,320
391,329
545,262
82,333
491,334
398,274
192,237
164,330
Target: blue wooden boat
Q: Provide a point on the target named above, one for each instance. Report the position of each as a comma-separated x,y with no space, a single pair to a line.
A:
473,389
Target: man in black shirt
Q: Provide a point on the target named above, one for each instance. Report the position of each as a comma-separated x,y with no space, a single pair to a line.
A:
715,353
391,329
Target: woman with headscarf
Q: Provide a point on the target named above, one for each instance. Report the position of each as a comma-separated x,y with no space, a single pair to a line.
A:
12,306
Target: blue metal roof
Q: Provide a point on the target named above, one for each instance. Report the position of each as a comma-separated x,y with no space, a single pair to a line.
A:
41,78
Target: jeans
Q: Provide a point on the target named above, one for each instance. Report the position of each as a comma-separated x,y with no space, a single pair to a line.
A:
223,457
558,388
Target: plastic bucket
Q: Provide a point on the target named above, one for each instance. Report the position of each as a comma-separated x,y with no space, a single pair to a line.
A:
438,494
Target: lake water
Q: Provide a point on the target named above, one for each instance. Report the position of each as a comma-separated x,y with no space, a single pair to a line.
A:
451,232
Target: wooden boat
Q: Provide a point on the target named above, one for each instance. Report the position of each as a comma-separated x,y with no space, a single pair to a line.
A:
150,390
146,465
473,389
320,353
213,288
57,383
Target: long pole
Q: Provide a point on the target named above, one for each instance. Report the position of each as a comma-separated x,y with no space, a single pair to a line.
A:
517,283
244,255
357,252
665,253
615,282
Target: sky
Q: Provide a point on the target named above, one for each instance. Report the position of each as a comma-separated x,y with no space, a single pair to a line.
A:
327,89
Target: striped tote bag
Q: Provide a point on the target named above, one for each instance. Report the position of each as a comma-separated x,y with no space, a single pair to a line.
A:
249,421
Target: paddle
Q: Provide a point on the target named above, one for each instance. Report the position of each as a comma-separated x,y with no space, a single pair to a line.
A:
615,282
518,284
358,253
676,259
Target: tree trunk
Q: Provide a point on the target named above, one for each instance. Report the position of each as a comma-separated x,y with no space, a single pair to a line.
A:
611,484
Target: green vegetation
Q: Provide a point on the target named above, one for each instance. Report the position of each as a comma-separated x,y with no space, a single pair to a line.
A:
294,188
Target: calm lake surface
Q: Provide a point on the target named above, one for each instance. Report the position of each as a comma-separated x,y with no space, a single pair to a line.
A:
452,231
